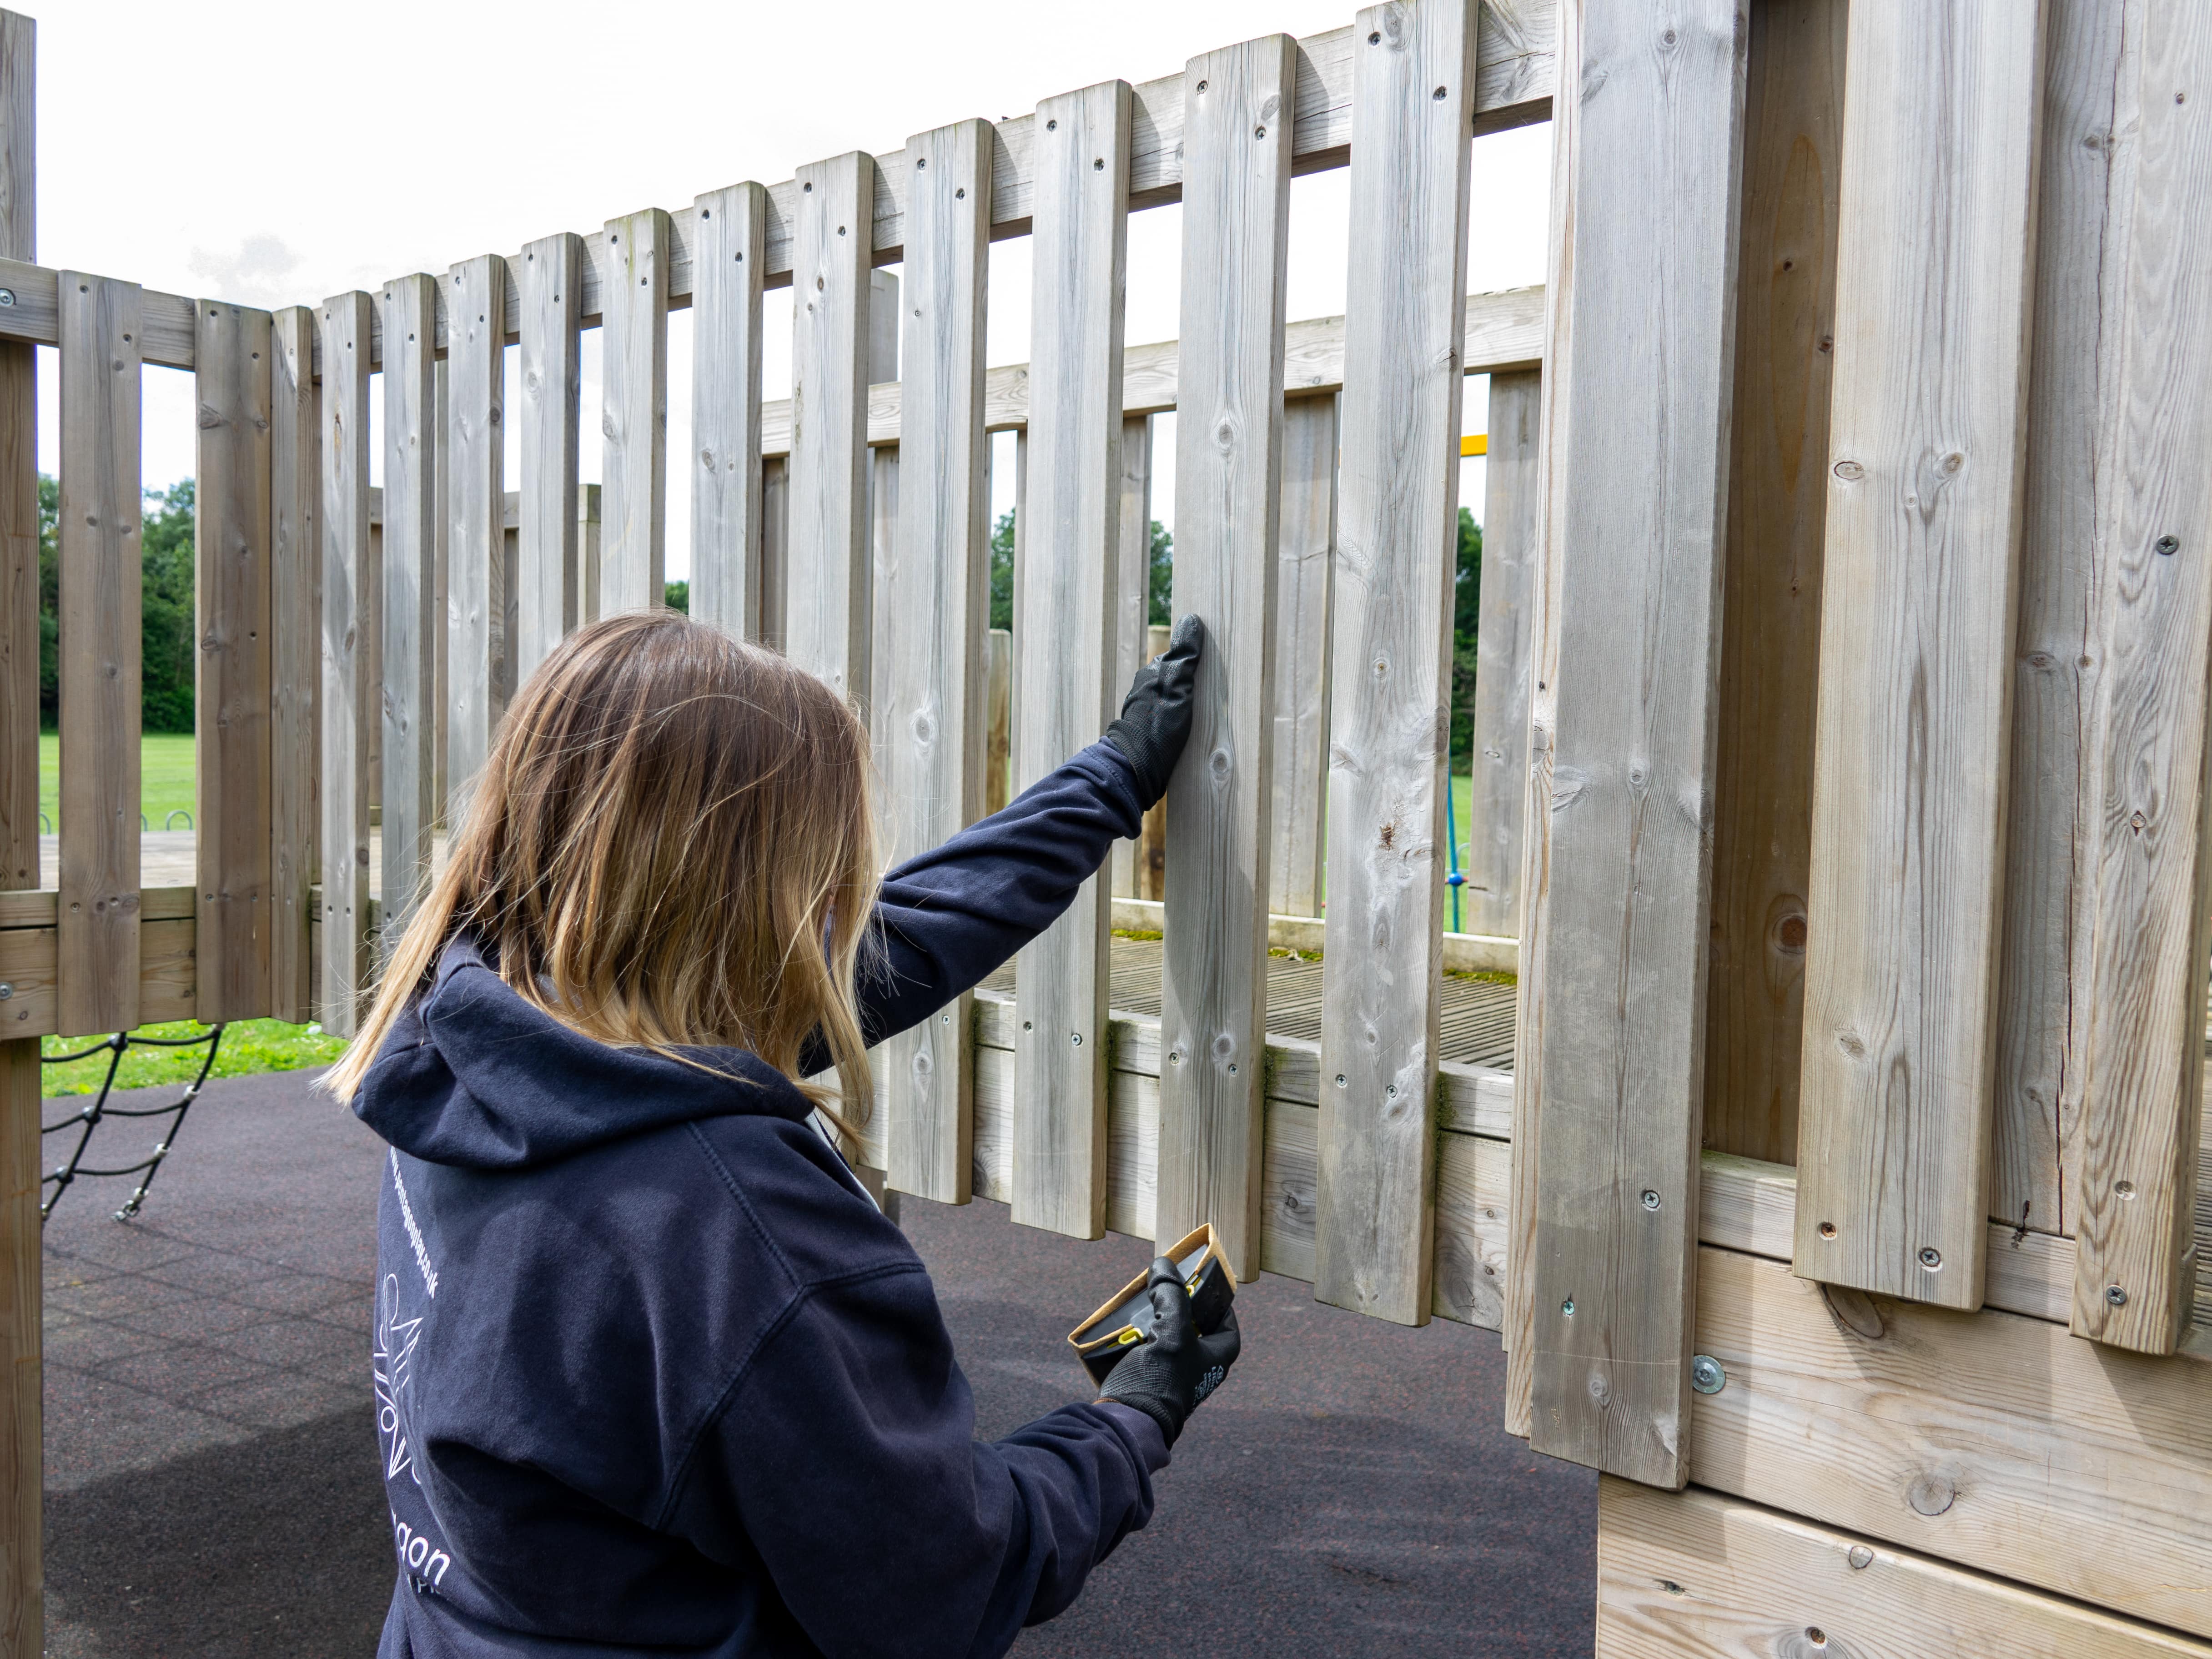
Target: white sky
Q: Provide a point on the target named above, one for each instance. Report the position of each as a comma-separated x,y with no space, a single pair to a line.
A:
278,153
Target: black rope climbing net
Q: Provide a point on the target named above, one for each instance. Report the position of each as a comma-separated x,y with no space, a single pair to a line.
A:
90,1117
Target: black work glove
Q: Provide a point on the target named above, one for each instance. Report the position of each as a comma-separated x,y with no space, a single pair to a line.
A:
1155,721
1171,1374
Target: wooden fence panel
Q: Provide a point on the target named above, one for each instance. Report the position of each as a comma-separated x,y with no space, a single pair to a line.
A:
881,469
634,333
232,352
1917,634
352,597
1498,780
1064,597
1404,324
1305,544
295,483
479,580
548,280
776,548
1133,605
412,622
99,558
728,265
998,722
1228,481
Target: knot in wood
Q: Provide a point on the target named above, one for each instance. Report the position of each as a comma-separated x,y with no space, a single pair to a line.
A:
1851,1043
925,727
923,1065
1601,1389
1930,1493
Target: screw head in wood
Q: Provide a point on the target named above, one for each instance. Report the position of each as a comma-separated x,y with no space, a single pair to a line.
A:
7,991
2125,1188
1930,1257
1029,1025
7,296
1706,1374
1568,1307
1827,1230
1076,1037
2116,1295
2169,544
1340,1079
1650,1199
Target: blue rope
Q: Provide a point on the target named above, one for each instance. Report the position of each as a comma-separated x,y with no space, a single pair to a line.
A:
1451,835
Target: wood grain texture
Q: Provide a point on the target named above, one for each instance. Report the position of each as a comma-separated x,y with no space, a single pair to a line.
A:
728,266
933,608
1398,533
480,582
1132,604
98,554
295,552
412,620
233,799
826,613
1305,567
1769,650
2137,1266
634,418
548,283
1229,486
351,690
998,717
1498,784
1920,575
1698,1573
1065,586
776,548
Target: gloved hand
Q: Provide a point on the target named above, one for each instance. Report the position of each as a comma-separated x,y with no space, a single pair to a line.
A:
1170,1375
1155,720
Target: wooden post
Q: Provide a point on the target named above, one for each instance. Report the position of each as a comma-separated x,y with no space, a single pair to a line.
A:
479,578
353,600
295,483
1497,781
998,743
881,472
776,548
550,279
729,263
411,623
1133,605
1306,565
1152,835
634,369
1228,481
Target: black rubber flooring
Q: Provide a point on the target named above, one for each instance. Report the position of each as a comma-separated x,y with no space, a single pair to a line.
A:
211,1470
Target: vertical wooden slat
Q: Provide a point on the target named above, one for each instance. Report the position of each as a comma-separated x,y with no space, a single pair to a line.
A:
410,621
441,521
2135,1269
934,608
881,472
1397,517
21,1303
99,352
826,612
479,578
634,333
232,348
776,548
1497,783
1305,560
729,261
352,601
551,281
295,657
1065,586
1228,481
998,742
1917,630
1132,606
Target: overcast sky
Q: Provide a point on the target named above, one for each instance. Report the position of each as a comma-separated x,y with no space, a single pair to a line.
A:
278,153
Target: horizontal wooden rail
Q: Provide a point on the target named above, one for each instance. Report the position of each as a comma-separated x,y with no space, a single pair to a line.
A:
1464,953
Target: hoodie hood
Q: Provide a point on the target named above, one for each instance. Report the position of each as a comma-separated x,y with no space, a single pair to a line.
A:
473,1076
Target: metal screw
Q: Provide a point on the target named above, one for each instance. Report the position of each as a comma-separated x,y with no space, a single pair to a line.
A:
1028,1026
1174,1057
944,1019
1650,1199
2116,1295
6,991
1076,1037
1706,1376
7,296
1930,1257
1568,1307
1390,1092
1340,1079
2169,544
2125,1189
1232,1068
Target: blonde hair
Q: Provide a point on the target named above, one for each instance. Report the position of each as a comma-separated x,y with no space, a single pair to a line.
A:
672,845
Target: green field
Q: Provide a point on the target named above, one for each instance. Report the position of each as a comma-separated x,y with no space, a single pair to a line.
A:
248,1045
165,779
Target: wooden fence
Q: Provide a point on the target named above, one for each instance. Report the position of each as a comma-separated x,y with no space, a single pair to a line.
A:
1840,727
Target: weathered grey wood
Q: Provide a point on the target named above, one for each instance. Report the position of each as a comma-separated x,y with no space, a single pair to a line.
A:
634,474
295,483
411,620
1229,482
347,711
98,553
1497,785
441,519
1917,630
548,280
727,266
934,607
1306,575
1066,589
2136,1272
479,582
1642,549
776,548
998,743
237,911
1398,501
1133,605
881,469
826,614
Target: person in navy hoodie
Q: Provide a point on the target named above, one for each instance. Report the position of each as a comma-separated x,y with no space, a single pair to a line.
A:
653,1373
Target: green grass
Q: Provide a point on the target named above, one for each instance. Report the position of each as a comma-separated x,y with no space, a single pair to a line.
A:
165,777
249,1046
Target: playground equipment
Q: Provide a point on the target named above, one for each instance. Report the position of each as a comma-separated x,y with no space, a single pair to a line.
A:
1842,724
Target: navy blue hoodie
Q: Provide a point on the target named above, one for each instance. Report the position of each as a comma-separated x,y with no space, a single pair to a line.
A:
652,1371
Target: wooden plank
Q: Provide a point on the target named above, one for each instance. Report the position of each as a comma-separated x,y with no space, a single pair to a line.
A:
1994,1441
347,711
99,560
296,485
442,453
411,622
998,743
1498,783
1702,1574
1132,602
480,583
1778,500
934,610
826,621
634,472
1306,555
728,267
232,797
1229,482
1399,516
547,282
776,548
1917,629
21,1306
881,468
2135,1286
1065,587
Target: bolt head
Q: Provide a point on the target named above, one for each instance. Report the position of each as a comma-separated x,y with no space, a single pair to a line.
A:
1568,1307
2116,1295
1706,1374
1930,1257
1650,1199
